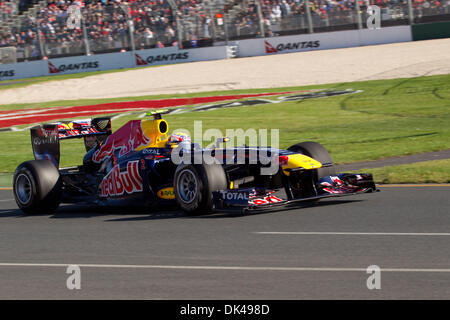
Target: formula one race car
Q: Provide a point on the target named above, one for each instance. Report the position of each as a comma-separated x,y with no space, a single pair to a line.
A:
139,164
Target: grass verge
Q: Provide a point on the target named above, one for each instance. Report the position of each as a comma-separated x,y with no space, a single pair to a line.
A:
388,118
6,180
435,171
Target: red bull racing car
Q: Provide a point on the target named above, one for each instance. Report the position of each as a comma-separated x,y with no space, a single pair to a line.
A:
140,164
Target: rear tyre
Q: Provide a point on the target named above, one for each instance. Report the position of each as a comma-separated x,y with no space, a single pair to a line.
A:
37,187
194,184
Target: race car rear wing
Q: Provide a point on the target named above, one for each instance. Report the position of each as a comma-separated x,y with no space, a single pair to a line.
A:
45,137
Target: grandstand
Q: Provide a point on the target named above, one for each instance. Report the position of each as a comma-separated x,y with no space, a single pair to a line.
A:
39,29
8,9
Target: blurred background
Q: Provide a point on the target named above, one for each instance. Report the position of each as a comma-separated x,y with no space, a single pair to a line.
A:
34,30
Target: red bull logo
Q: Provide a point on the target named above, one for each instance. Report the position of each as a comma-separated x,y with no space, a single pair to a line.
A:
117,183
265,200
126,139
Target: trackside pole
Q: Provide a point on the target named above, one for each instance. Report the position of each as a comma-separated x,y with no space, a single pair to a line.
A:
358,15
410,12
261,21
86,40
308,17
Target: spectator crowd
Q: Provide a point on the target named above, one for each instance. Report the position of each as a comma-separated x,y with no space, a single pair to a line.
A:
109,25
285,15
105,23
7,9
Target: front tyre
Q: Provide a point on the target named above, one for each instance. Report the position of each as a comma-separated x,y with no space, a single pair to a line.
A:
194,185
37,187
304,184
318,152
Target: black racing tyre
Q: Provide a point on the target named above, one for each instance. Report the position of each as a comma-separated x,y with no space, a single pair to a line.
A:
37,187
318,152
194,184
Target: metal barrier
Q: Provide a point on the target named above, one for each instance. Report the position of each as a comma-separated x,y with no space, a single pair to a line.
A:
8,55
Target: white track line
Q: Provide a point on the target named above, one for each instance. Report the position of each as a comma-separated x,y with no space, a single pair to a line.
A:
117,116
357,233
239,268
6,200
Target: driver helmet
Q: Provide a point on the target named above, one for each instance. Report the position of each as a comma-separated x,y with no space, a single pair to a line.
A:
178,138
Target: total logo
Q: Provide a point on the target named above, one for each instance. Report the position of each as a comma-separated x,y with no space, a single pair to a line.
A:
72,66
226,195
117,183
291,46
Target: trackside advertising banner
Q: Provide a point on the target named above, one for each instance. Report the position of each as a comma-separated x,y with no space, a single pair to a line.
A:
22,70
109,61
173,55
90,63
130,59
246,48
328,40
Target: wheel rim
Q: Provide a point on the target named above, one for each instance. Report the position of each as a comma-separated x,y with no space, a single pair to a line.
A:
23,189
187,186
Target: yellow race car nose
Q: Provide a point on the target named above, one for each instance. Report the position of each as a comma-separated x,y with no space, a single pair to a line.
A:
298,160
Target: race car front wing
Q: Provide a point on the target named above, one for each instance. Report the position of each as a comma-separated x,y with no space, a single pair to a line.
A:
252,199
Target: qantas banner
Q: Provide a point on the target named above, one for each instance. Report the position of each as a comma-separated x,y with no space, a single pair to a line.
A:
319,41
173,55
90,63
109,61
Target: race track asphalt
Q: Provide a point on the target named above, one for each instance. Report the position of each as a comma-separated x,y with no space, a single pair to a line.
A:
315,252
